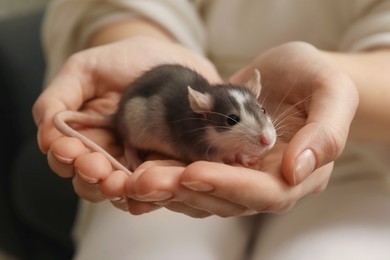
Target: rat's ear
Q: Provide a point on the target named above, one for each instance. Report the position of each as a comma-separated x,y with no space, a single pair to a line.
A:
254,84
200,103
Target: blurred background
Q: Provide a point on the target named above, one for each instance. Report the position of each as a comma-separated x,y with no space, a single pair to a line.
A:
29,228
16,7
9,8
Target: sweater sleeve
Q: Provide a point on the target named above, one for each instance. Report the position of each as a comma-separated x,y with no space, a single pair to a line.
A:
369,27
69,24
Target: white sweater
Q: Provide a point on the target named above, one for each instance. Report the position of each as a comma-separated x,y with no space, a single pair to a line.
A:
230,32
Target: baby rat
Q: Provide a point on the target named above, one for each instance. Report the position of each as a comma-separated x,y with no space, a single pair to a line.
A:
174,111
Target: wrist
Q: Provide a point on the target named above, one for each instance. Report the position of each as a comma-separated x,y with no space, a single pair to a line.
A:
127,29
367,71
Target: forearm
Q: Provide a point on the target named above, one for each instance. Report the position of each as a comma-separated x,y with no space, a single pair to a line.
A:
175,50
126,29
370,73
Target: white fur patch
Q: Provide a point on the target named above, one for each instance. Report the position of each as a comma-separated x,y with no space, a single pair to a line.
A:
247,119
241,97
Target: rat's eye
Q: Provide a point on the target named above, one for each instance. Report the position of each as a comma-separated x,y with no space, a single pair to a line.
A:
263,110
232,119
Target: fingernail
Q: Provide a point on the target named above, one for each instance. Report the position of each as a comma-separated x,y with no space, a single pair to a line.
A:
115,199
162,203
198,186
304,166
156,196
63,159
155,207
138,171
86,178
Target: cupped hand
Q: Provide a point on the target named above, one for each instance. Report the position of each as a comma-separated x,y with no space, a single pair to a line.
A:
204,188
92,81
312,103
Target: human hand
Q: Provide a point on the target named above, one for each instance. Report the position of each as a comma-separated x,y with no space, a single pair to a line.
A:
92,82
208,188
313,104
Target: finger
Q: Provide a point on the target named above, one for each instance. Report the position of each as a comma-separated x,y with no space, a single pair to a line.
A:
319,177
46,135
159,182
92,167
120,203
151,182
200,204
64,170
257,191
323,137
139,184
112,187
138,207
47,105
62,154
161,185
85,190
155,162
187,210
67,149
57,97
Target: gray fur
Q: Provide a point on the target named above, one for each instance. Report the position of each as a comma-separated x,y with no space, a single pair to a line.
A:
155,114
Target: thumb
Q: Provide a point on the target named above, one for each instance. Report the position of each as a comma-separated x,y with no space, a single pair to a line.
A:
312,147
324,135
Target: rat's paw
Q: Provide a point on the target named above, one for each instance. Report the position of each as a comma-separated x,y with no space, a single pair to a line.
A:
247,160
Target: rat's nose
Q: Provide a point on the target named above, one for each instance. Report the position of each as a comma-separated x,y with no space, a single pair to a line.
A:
267,138
264,140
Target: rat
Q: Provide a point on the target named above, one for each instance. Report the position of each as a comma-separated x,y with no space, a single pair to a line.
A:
173,110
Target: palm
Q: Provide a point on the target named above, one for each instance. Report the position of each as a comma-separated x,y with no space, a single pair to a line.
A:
299,88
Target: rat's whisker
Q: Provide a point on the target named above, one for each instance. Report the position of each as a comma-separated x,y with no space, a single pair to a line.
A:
280,117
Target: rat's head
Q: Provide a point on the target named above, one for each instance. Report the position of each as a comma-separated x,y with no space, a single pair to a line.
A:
237,123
